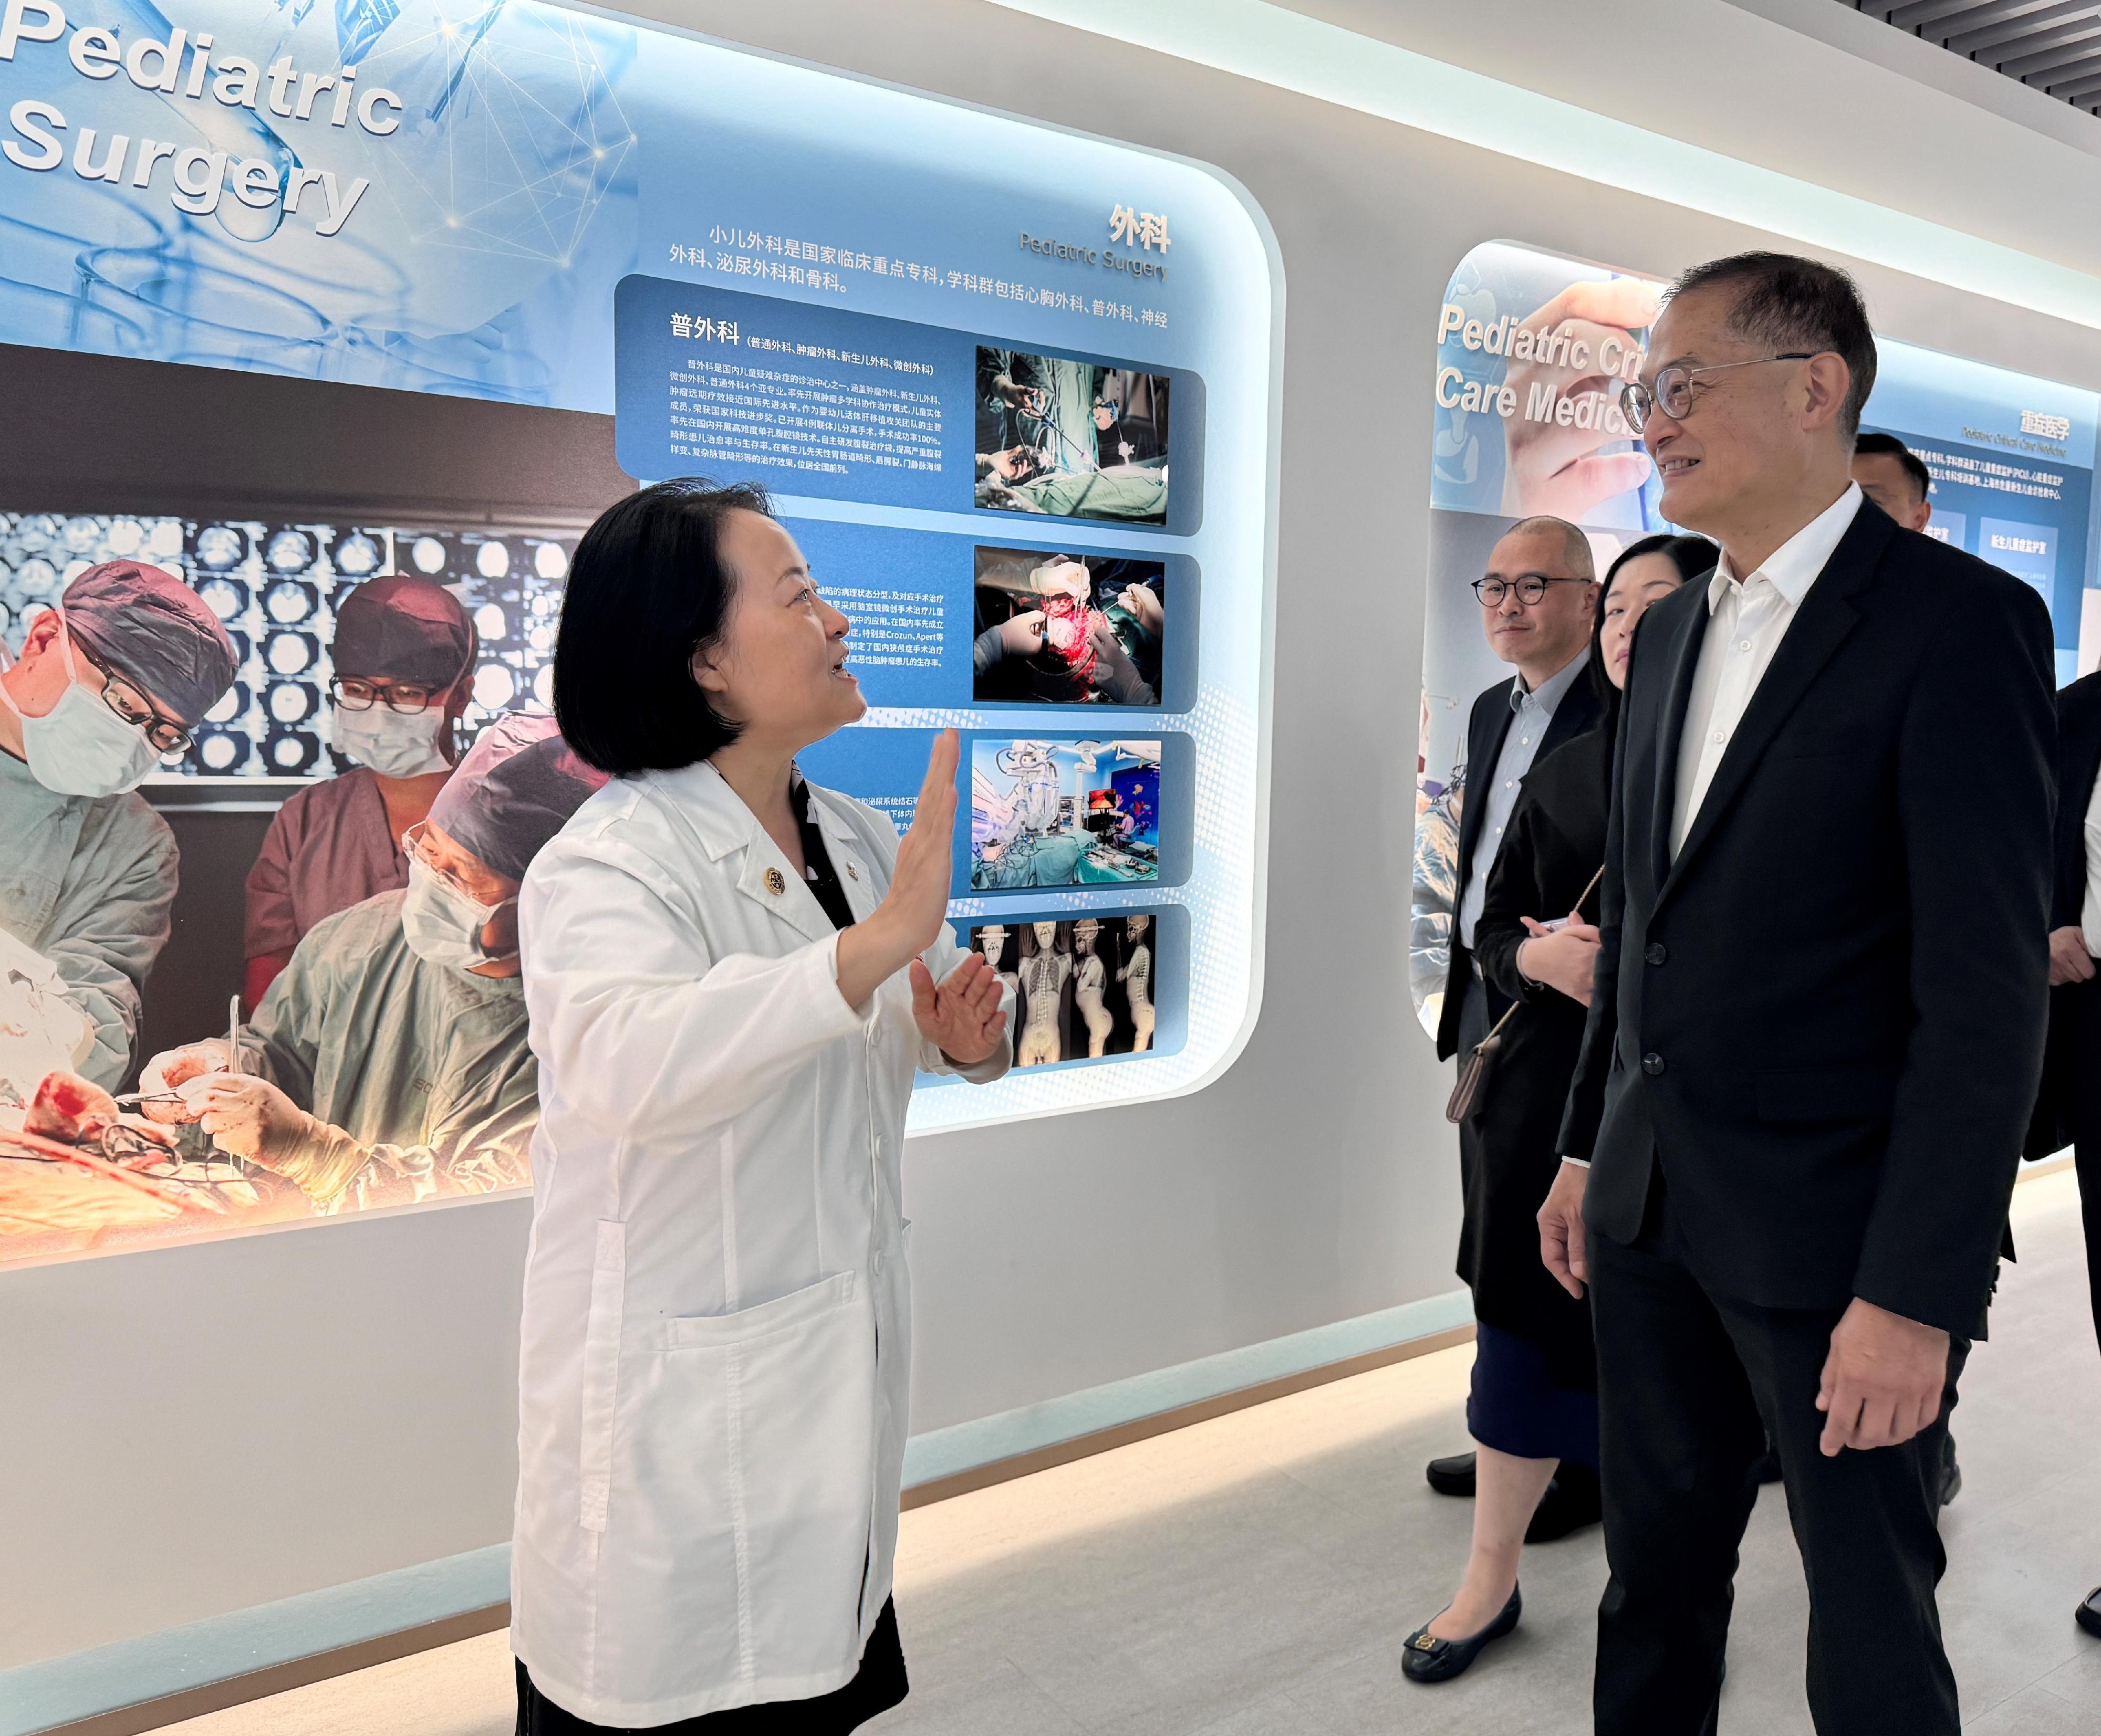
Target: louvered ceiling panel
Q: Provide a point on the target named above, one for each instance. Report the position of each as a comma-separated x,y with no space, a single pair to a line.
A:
2050,46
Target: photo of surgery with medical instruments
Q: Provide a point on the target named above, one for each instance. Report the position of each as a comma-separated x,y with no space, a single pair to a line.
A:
279,754
1083,985
1060,629
1060,813
1074,440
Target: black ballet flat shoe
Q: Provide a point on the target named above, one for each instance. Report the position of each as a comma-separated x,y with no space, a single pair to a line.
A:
1573,1500
1452,1476
2088,1614
1427,1659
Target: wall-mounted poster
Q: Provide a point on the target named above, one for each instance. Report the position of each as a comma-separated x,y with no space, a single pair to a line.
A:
338,326
1532,351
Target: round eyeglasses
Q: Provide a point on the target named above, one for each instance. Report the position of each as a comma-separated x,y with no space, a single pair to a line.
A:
1673,391
407,697
1531,589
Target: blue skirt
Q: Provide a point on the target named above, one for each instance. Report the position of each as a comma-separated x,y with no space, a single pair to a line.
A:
1514,1408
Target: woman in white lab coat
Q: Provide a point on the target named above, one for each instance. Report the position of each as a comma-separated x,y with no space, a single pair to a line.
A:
732,977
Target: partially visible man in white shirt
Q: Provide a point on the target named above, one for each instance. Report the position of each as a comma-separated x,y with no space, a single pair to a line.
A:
1750,617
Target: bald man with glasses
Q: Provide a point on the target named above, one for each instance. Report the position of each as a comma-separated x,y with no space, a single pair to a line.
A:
1538,598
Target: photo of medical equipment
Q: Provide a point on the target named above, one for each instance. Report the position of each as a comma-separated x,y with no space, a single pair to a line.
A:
1083,985
1071,438
1067,629
1063,813
273,584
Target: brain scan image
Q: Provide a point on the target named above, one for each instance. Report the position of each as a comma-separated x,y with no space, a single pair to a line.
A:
218,548
274,585
289,551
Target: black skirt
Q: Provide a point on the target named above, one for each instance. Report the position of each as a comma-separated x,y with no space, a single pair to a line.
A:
878,1685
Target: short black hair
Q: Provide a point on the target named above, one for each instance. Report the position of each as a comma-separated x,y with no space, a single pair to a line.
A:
648,588
1693,556
1789,303
1868,445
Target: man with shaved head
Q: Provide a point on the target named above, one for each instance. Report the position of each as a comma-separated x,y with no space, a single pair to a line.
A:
1538,597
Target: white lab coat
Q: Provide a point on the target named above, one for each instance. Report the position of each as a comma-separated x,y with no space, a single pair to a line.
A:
716,1353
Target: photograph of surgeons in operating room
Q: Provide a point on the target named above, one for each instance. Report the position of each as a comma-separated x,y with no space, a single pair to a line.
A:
1074,440
386,1065
1066,628
1083,985
1063,813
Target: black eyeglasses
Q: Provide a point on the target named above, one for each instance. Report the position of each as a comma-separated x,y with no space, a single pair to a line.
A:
134,707
1673,391
1531,589
404,697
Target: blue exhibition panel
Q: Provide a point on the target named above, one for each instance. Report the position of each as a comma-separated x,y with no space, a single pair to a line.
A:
1012,389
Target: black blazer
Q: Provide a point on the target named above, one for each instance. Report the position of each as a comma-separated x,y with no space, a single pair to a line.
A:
2070,1064
1825,1020
1486,728
1550,853
2078,765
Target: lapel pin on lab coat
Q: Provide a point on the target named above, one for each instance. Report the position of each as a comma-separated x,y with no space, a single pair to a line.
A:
852,873
774,883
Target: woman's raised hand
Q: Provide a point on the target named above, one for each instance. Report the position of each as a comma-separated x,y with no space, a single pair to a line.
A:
908,921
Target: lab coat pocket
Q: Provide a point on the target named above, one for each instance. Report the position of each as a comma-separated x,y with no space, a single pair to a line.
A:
751,1441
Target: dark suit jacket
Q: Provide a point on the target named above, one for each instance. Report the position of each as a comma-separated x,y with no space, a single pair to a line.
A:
1486,727
1824,1020
2071,1066
1551,853
2078,765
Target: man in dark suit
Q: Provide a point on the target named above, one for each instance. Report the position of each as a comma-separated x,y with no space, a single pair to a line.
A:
1519,721
2070,1110
1538,598
1818,1019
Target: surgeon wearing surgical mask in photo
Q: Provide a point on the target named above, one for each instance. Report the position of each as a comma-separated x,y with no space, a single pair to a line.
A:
107,683
457,911
388,1063
404,656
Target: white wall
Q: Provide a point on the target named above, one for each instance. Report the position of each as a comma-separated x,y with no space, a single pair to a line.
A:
195,1429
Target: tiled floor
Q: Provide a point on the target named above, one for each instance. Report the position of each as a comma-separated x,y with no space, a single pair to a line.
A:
1254,1575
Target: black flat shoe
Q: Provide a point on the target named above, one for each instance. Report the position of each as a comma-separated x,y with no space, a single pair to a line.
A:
1572,1501
1452,1476
2088,1614
1427,1659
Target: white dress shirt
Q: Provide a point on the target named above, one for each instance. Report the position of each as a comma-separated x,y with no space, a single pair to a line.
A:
1750,617
1533,710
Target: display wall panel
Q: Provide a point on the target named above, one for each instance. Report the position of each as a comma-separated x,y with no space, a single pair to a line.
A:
1531,348
988,370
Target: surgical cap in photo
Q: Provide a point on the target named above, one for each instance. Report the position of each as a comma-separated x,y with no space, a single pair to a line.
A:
152,628
402,629
516,788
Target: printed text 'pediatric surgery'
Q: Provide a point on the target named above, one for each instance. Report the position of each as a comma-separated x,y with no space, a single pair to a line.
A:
178,66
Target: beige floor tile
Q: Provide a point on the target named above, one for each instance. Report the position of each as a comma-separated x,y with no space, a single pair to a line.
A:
1256,1574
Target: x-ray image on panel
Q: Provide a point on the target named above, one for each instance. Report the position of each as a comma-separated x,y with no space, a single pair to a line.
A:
274,586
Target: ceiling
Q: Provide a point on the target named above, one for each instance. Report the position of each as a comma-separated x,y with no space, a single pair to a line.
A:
2050,46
